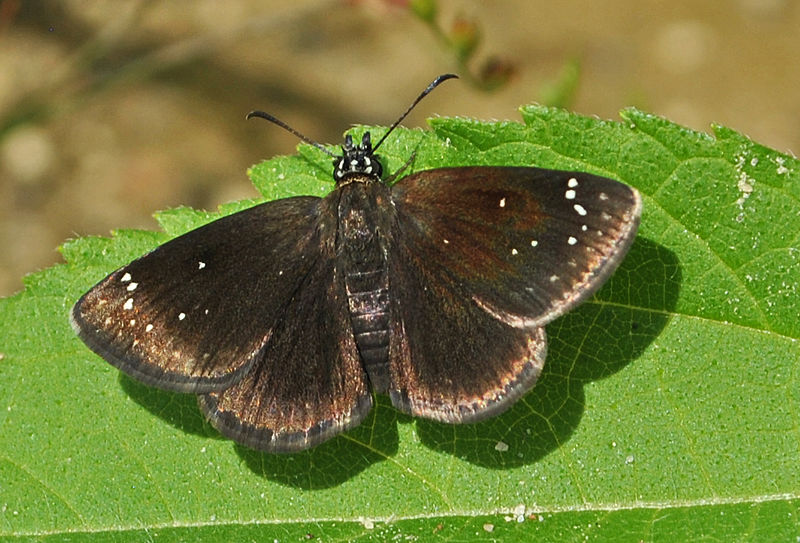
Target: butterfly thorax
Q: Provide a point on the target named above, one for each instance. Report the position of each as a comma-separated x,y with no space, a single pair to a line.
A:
365,215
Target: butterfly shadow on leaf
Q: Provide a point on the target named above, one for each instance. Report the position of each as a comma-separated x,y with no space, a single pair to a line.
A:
591,343
337,460
324,466
588,344
179,410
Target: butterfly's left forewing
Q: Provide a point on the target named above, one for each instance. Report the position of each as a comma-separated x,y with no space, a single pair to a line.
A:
248,311
182,317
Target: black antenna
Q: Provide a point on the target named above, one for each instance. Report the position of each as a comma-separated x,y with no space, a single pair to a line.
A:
288,128
435,83
271,118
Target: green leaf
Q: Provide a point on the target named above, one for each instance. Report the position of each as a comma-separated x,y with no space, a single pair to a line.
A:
667,410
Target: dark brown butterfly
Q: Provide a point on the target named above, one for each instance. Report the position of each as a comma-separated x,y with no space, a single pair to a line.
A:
286,317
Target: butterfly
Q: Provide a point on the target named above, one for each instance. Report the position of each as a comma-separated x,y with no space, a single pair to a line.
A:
287,317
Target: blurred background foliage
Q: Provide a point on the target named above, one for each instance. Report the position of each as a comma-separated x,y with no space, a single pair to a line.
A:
112,110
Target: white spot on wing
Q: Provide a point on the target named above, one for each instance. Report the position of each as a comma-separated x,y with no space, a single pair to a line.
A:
148,327
126,277
572,183
571,240
553,278
181,316
132,287
514,252
534,243
502,202
128,305
570,194
579,209
201,265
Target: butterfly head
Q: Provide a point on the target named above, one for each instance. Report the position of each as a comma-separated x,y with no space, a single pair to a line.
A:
357,160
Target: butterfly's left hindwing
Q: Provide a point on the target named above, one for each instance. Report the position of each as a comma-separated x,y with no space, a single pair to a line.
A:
308,384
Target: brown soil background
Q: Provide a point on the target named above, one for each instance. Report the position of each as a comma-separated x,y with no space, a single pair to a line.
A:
110,111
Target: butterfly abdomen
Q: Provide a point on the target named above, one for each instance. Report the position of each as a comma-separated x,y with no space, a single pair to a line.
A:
361,253
368,303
